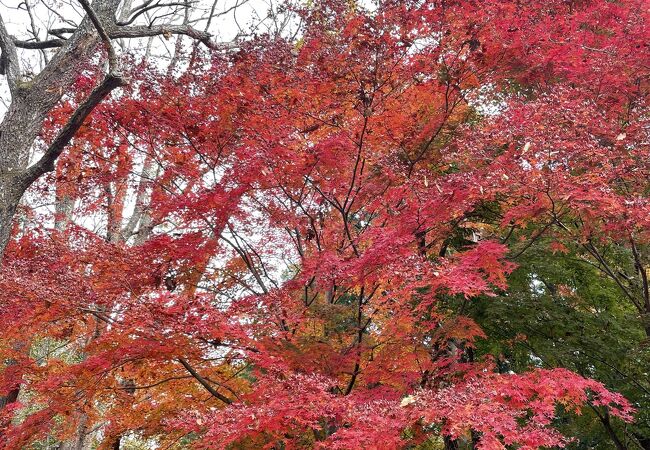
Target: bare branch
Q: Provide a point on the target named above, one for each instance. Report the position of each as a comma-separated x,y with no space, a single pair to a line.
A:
139,32
59,32
167,30
145,9
39,45
34,29
46,163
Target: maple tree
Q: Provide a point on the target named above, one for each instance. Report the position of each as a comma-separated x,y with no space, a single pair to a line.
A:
281,247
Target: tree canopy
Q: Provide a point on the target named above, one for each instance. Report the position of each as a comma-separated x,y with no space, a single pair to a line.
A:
399,225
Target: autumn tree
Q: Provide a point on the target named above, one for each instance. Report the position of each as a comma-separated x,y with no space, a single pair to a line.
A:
282,246
51,70
37,89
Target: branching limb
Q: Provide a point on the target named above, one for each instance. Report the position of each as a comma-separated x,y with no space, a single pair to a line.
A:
142,10
112,56
111,81
139,31
46,163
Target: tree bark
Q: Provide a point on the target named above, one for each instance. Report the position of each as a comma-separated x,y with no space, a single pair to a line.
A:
31,103
9,198
32,100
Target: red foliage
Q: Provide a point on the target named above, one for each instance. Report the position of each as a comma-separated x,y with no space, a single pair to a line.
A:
296,249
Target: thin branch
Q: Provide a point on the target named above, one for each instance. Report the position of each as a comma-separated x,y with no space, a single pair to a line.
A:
204,382
137,14
591,248
533,239
642,272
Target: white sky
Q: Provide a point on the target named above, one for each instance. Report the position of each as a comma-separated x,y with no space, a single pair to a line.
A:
43,15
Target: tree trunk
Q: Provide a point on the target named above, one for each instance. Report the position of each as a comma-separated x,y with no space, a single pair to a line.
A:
31,103
604,419
30,106
9,198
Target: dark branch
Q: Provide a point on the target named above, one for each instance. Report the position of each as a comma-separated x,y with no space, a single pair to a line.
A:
39,45
139,31
46,163
204,382
111,81
142,10
59,32
167,30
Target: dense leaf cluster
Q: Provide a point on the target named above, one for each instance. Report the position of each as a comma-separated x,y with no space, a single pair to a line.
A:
421,226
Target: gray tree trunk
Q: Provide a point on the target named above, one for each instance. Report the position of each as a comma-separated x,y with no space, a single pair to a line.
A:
32,100
9,197
31,103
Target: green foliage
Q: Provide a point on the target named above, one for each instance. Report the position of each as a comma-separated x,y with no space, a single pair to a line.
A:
562,311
